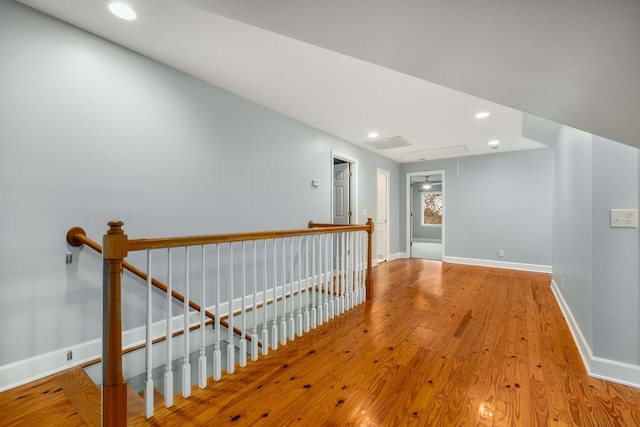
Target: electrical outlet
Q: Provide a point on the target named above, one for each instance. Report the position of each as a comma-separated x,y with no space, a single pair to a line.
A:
500,253
69,355
69,258
624,218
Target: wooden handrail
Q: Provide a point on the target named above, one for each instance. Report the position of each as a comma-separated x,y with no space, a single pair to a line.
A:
325,224
76,236
172,242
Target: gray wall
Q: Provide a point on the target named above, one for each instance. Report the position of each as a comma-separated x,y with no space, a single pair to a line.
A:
572,233
91,132
616,271
496,201
595,267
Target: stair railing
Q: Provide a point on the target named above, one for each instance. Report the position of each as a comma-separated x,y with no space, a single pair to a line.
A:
297,279
76,236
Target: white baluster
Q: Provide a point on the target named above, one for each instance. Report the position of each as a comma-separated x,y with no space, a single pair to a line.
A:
299,315
291,326
217,353
356,294
254,330
328,243
307,325
265,328
231,364
351,253
343,273
363,266
283,318
345,291
274,322
320,313
354,298
148,384
331,280
168,372
355,266
314,314
243,314
202,360
186,366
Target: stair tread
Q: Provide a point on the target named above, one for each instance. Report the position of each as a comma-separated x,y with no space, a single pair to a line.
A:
135,403
83,394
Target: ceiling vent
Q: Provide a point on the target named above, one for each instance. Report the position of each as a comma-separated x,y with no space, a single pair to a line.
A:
432,153
387,143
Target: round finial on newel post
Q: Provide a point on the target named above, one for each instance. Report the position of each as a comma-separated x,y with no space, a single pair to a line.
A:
115,227
311,224
114,243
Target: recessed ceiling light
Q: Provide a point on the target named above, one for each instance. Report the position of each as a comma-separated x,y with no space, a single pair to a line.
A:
373,135
494,144
482,115
122,11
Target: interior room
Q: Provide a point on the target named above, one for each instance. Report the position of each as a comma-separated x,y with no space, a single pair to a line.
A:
489,165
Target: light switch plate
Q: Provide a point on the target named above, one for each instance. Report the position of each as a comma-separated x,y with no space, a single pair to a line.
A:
624,218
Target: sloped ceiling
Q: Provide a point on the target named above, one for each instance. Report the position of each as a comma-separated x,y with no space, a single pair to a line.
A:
576,62
402,68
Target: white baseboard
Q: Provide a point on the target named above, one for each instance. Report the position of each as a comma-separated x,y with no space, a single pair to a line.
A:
424,240
43,365
392,257
40,366
498,264
597,367
583,346
398,255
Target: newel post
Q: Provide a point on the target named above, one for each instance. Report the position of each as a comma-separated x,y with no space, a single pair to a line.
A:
114,388
369,280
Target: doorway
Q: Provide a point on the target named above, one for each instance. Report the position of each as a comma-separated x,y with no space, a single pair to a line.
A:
382,217
426,215
344,188
343,197
342,211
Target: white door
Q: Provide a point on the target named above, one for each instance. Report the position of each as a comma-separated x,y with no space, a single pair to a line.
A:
381,220
341,207
341,184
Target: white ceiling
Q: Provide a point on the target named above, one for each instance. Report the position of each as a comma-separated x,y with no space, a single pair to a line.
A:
339,94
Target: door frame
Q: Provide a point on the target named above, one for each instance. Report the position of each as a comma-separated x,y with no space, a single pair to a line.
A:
353,186
409,197
387,203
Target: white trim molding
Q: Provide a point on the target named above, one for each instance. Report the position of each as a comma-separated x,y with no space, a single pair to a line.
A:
498,264
597,367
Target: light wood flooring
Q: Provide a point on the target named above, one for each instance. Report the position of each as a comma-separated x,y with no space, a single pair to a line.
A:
440,345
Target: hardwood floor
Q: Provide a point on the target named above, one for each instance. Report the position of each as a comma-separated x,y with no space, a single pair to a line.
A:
439,345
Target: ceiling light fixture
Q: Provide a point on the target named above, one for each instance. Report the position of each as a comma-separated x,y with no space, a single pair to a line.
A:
122,11
482,115
426,186
373,135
